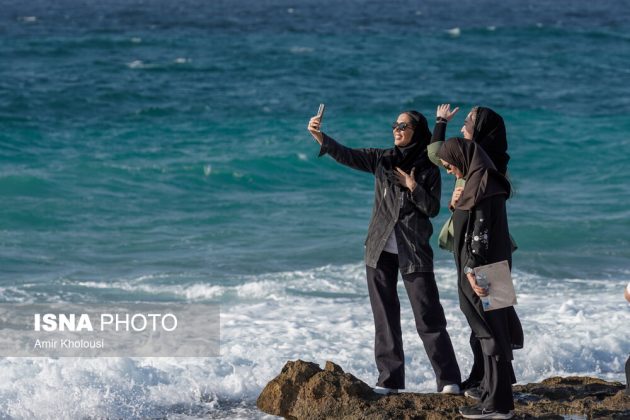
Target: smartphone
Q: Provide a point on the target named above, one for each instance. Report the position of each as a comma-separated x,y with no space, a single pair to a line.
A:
320,111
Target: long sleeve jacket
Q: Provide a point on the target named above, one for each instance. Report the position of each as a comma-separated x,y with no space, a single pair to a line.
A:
395,207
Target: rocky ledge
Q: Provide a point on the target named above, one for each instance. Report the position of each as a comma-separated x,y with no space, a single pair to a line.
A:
304,391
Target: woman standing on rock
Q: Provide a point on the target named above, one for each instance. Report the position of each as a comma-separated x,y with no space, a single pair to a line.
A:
481,236
486,128
407,193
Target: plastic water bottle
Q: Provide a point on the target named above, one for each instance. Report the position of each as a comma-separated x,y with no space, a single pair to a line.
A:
482,281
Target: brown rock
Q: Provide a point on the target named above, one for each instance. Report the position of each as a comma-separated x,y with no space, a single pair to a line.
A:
304,391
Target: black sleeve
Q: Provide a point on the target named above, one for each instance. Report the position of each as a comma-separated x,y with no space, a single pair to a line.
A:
426,195
479,237
439,131
361,159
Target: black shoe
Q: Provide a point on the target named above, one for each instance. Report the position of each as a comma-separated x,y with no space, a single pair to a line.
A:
470,383
473,393
478,412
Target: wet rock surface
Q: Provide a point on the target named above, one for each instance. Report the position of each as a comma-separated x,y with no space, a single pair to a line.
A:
303,390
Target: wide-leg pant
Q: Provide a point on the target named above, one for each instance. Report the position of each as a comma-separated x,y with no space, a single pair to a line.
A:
496,387
430,324
476,372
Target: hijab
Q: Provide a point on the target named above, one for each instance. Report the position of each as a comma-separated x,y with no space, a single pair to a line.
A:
407,157
483,180
489,133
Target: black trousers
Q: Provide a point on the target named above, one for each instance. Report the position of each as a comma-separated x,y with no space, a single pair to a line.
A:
496,387
430,324
476,372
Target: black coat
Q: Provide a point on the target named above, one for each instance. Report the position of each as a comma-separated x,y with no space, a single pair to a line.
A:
395,207
499,331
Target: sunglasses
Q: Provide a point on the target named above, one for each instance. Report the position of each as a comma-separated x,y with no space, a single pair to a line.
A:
401,126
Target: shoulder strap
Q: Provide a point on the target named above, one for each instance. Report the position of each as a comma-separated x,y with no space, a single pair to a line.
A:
468,234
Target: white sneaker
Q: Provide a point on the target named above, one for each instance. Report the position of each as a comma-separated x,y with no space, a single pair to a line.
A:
384,391
451,389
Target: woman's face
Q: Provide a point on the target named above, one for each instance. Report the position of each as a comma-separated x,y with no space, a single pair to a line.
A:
403,130
469,125
451,169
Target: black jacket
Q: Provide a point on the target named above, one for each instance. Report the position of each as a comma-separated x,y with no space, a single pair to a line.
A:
395,207
482,237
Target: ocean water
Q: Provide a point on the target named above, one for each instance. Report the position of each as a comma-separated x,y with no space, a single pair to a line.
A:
157,151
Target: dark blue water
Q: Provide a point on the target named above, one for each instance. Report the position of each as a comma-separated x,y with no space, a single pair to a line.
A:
164,143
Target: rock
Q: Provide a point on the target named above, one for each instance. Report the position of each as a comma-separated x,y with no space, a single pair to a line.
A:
304,391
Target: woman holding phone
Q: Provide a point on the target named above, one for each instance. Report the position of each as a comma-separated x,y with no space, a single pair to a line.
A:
406,194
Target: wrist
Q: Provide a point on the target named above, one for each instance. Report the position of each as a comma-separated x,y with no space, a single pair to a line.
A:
440,120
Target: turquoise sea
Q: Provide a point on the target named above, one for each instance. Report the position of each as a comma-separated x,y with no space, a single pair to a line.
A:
157,151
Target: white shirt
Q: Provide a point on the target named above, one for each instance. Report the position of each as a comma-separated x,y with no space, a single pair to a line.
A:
390,245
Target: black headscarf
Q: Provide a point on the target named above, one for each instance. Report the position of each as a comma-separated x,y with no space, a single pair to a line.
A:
489,133
406,157
482,178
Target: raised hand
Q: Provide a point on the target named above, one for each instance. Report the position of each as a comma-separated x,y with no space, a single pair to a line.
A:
405,179
444,111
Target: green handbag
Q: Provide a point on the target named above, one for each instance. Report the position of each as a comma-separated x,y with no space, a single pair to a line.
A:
447,236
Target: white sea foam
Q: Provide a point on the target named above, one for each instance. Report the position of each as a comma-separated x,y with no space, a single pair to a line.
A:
28,19
182,60
136,64
454,32
136,40
319,314
345,280
192,292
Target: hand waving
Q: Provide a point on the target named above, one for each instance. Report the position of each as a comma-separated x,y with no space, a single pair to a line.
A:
444,111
